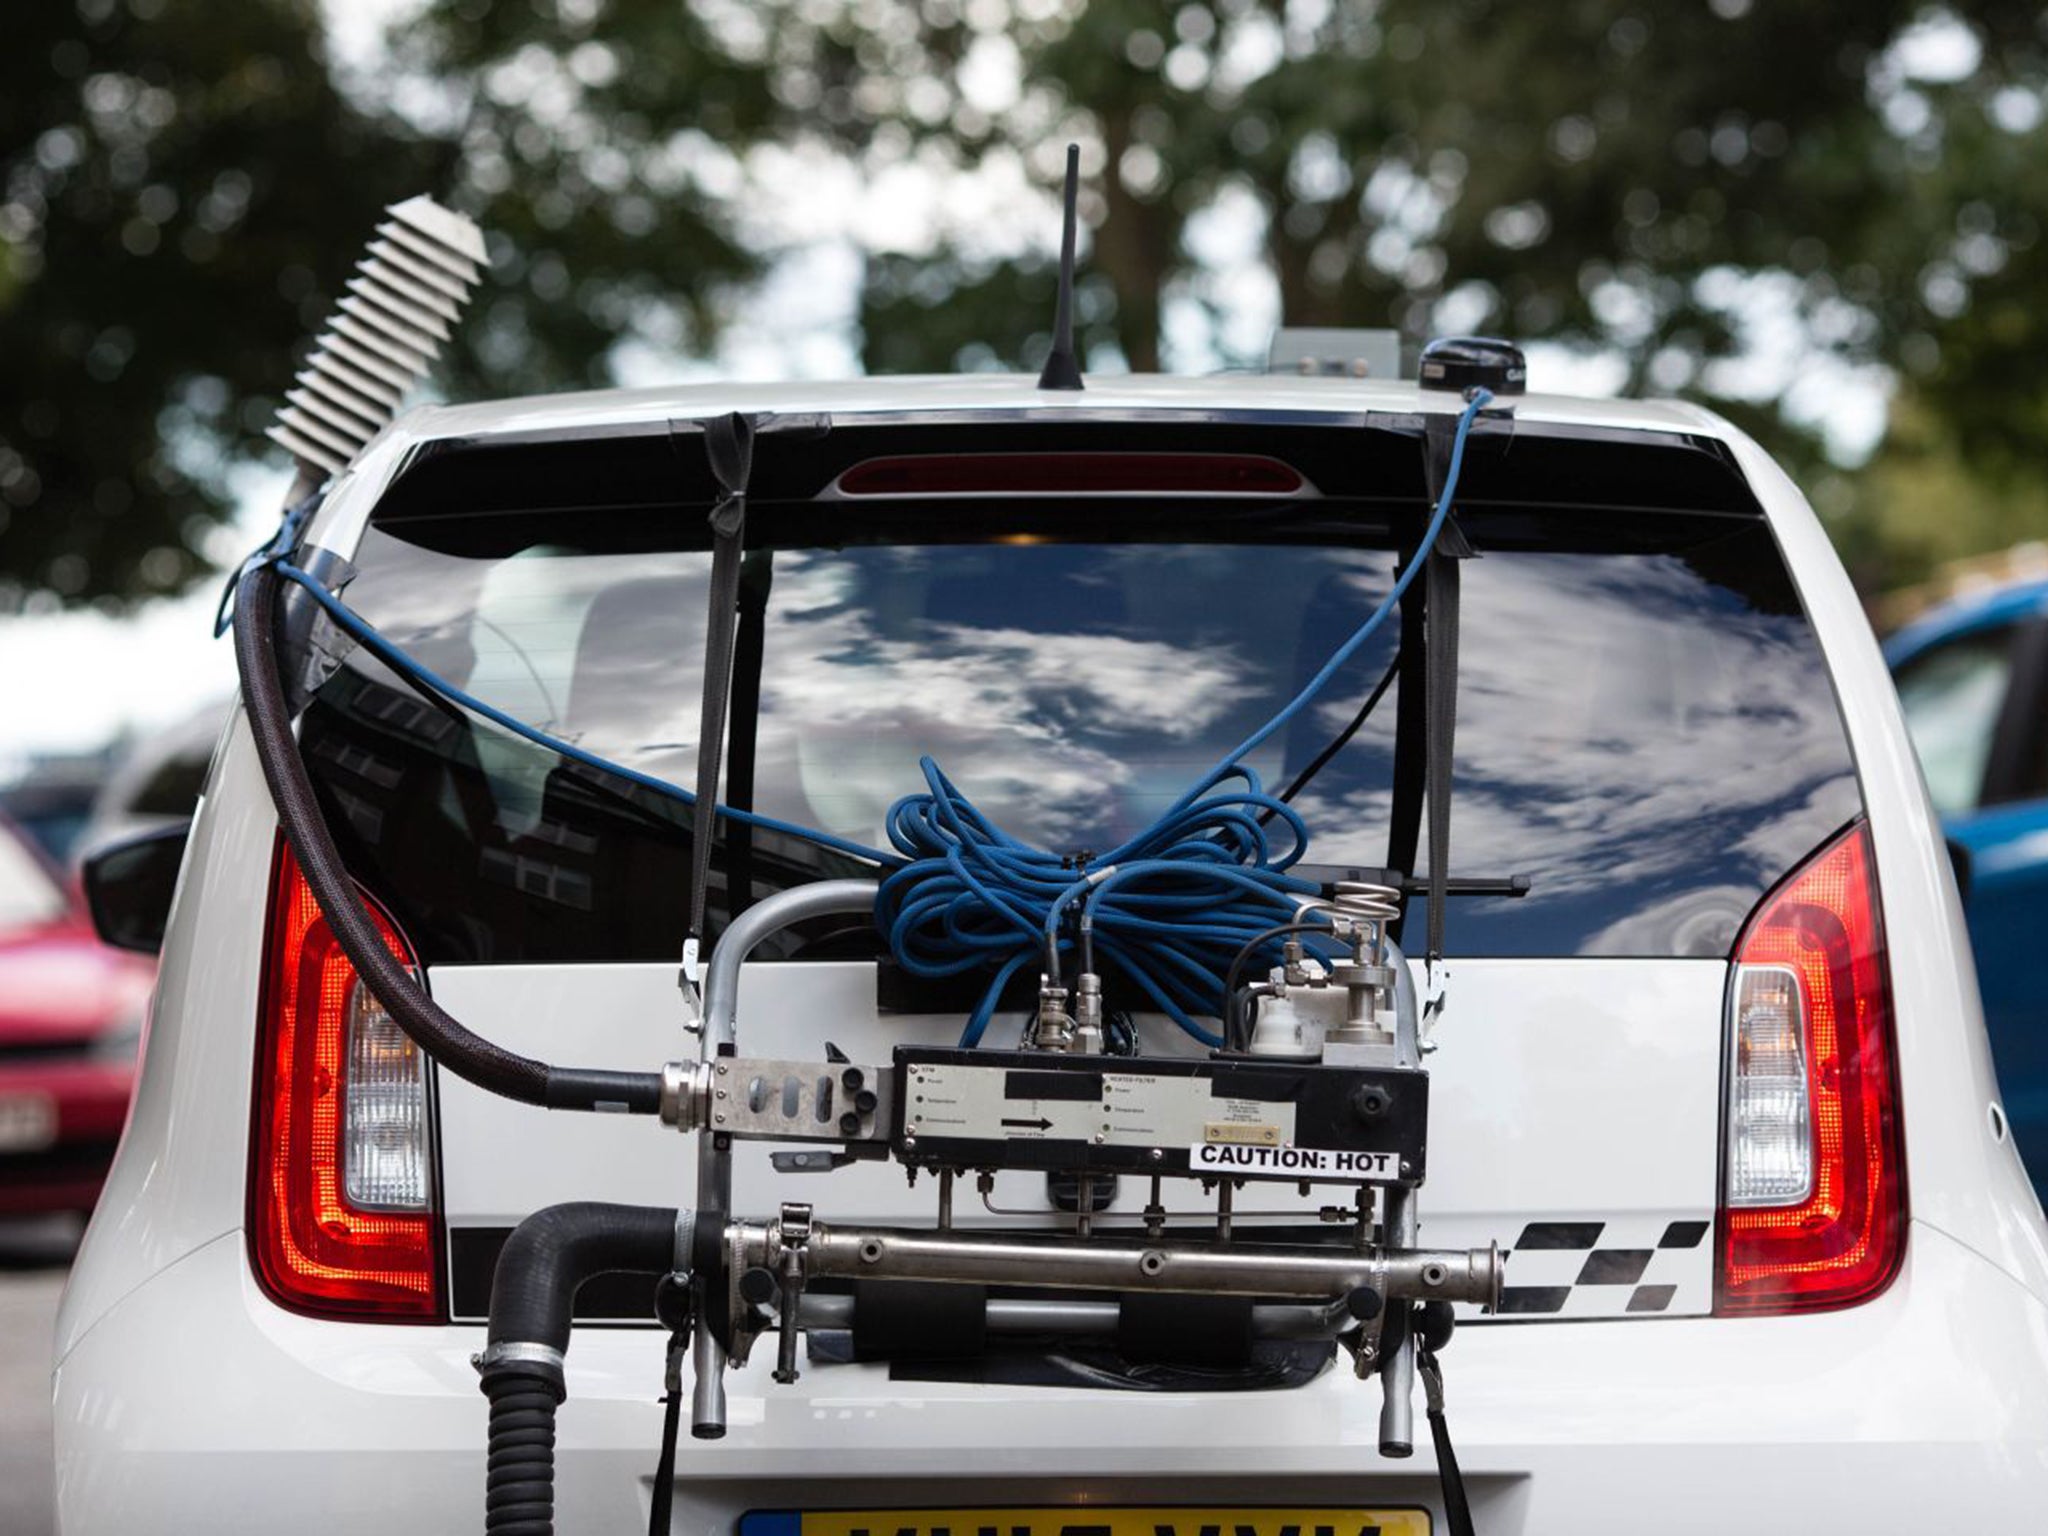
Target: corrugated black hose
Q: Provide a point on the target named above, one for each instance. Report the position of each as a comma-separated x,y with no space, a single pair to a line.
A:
519,1487
533,1294
469,1056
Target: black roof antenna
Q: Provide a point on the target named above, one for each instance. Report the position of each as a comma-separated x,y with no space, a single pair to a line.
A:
1062,371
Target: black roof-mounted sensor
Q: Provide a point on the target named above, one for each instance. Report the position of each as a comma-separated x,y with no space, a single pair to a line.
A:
1463,363
1062,369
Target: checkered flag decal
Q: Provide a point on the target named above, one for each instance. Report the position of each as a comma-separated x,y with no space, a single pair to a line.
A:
1565,1269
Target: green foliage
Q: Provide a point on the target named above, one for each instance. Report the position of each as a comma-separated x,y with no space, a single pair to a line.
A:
185,187
598,146
1925,501
1638,181
1562,173
174,184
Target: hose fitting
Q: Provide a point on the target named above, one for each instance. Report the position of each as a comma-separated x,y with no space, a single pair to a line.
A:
533,1296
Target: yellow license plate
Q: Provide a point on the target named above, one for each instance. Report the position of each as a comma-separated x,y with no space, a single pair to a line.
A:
1088,1520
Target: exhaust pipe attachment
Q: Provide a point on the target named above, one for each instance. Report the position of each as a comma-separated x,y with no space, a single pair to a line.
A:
533,1294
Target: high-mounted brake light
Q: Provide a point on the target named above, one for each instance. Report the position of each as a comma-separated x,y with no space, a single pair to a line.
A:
1039,474
340,1187
1814,1196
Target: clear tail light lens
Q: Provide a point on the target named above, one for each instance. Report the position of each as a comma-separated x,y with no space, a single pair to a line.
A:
1814,1196
341,1191
384,1147
1770,1123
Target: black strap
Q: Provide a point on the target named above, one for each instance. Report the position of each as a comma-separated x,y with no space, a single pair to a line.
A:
675,1308
311,646
665,1466
729,445
757,574
280,546
1440,580
1440,687
1457,1510
1411,727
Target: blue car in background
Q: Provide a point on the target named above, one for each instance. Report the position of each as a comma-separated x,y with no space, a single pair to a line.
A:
1973,677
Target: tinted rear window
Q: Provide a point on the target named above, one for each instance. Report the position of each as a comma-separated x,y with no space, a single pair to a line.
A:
1645,726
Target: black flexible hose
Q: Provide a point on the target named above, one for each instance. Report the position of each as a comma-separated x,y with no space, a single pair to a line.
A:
519,1490
468,1055
533,1296
555,1250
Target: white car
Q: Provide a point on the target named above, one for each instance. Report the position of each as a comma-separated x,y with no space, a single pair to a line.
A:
1703,1043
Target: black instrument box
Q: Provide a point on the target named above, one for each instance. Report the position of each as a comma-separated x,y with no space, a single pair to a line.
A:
1220,1116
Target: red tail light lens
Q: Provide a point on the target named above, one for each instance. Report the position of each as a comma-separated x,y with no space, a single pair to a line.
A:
314,1249
1814,1196
1038,474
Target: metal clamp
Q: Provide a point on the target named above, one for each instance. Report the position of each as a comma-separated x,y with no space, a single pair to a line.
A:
793,1227
685,1094
516,1353
1432,1379
793,1230
683,1260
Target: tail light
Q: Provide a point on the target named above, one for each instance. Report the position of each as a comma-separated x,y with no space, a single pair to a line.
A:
341,1190
1813,1211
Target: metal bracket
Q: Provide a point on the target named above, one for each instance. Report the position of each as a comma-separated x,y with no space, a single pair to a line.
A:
314,646
796,1100
1432,1379
810,1161
793,1230
1365,1345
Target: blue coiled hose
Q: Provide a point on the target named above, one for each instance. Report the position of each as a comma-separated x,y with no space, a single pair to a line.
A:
1168,908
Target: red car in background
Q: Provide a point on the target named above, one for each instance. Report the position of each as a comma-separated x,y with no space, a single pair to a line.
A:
71,1011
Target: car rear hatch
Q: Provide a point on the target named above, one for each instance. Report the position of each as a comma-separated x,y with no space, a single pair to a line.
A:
1075,615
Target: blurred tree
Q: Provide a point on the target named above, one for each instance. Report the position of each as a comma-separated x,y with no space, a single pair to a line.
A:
599,142
181,189
1568,173
1971,306
1680,187
1927,500
1840,184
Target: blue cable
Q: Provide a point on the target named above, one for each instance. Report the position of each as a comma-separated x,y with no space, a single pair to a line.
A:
272,552
408,666
1169,908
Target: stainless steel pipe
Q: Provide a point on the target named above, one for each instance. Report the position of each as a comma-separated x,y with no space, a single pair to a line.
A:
1397,1364
1062,1262
765,918
825,898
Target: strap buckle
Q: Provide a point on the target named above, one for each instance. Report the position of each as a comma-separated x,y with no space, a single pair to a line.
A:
1432,1379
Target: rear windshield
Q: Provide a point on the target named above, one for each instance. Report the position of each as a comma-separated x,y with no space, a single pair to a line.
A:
1645,727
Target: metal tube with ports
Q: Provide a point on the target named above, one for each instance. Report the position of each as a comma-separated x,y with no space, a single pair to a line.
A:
1059,1261
825,898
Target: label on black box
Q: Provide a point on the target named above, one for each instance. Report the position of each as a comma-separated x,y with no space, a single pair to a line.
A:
1257,1162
